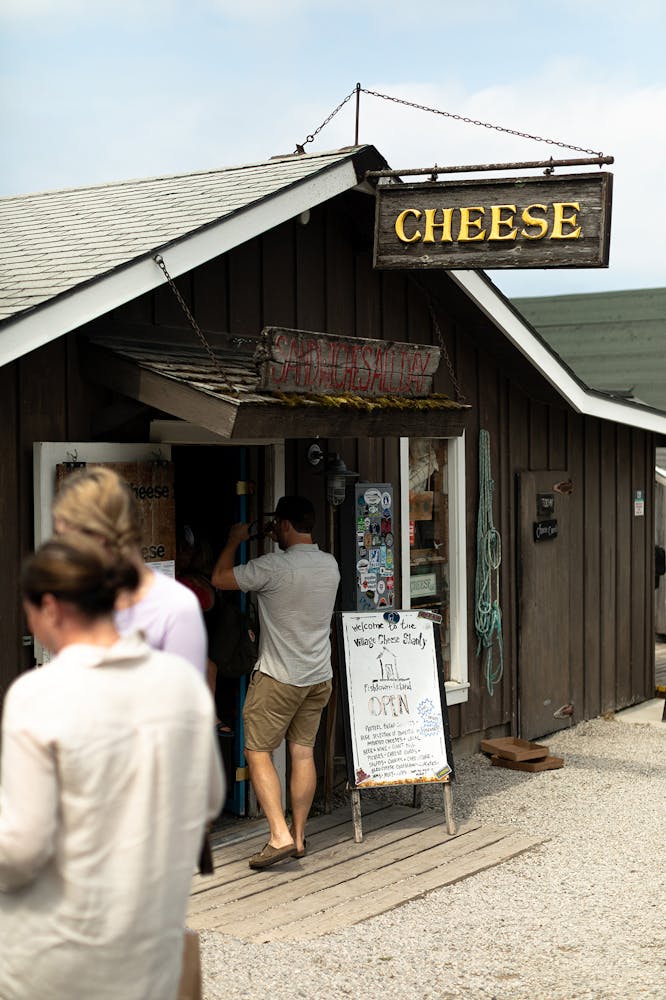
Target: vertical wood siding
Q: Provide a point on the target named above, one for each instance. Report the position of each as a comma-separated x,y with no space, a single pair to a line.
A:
42,398
320,277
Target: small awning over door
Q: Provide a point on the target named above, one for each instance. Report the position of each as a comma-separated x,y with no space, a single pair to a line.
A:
180,379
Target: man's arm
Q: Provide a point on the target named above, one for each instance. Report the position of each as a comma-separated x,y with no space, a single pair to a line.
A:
223,576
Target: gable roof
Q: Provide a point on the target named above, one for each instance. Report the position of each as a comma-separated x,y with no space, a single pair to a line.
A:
614,341
68,257
506,317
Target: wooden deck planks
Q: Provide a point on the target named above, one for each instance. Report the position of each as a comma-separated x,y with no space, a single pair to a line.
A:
235,879
347,883
328,870
352,911
405,853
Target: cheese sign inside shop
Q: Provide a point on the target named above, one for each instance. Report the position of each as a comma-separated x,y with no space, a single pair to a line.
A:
152,484
508,222
396,719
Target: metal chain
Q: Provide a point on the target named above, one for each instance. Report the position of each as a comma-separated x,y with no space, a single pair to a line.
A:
445,114
473,121
460,394
159,260
311,138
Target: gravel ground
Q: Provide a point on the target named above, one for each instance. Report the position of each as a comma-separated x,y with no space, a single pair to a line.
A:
581,916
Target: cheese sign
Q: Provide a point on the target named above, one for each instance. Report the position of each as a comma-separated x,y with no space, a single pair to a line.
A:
492,223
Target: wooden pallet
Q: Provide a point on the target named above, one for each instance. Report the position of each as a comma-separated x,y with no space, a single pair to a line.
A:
513,748
547,764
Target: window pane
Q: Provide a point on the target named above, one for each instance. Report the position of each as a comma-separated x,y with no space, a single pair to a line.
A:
429,534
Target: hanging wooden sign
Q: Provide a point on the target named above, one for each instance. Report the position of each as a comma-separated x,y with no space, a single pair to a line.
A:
300,361
507,222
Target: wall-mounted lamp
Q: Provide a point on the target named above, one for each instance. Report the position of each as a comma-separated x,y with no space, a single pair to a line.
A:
337,473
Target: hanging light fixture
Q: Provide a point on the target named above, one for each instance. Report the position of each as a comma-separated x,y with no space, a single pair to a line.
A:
336,472
337,477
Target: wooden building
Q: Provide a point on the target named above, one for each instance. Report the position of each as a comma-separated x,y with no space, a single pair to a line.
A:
614,341
95,347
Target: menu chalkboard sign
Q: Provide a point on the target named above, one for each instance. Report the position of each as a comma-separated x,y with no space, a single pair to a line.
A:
396,715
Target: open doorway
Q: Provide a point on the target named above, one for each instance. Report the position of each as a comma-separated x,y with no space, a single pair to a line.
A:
216,487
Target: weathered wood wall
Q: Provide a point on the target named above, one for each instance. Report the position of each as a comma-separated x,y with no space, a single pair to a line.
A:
320,277
42,398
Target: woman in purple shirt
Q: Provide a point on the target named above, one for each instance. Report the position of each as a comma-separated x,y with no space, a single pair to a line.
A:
98,502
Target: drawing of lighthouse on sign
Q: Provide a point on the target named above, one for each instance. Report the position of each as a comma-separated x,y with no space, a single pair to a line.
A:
388,666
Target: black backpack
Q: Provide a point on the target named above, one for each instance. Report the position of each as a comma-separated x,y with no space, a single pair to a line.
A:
233,637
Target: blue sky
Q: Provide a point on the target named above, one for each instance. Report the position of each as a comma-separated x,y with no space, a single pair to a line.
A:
98,90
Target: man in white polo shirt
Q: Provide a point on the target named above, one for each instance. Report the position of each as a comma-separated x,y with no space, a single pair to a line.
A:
291,683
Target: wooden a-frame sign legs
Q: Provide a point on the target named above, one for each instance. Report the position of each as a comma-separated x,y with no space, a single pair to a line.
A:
447,792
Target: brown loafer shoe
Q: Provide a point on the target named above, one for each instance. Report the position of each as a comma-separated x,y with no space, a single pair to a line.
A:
268,856
301,854
297,853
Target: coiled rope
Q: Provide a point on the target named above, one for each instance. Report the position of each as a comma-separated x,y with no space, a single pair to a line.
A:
487,611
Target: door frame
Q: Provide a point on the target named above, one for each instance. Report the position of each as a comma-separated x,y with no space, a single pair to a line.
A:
163,434
179,432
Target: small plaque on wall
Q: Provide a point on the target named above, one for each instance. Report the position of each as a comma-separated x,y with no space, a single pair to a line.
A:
545,504
545,530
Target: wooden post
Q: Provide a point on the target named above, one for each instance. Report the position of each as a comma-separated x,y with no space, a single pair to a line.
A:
356,815
329,749
448,808
331,711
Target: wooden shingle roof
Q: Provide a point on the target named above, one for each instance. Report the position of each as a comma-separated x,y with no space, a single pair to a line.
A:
173,374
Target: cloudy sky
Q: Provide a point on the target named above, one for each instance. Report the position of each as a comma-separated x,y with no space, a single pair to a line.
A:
99,90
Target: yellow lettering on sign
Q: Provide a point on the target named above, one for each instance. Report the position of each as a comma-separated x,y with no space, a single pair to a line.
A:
466,223
531,220
560,220
503,226
400,226
444,225
497,223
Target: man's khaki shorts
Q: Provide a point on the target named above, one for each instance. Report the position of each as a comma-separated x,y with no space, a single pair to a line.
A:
274,711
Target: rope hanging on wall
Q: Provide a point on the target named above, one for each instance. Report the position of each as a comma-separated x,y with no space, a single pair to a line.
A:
487,611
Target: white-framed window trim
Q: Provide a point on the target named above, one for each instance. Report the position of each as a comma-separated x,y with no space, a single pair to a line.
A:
457,688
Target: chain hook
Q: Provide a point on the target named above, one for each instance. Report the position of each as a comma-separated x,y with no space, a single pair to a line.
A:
226,384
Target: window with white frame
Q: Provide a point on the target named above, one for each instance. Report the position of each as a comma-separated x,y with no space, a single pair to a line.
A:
432,476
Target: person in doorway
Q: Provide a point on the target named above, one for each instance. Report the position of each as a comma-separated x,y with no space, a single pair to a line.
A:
98,502
291,683
109,774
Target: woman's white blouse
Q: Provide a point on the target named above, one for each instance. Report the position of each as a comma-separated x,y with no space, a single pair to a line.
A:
109,773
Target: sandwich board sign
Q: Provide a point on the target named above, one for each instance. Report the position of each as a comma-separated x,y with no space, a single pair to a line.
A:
396,718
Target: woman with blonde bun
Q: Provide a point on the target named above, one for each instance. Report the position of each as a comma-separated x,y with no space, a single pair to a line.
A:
108,776
97,502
